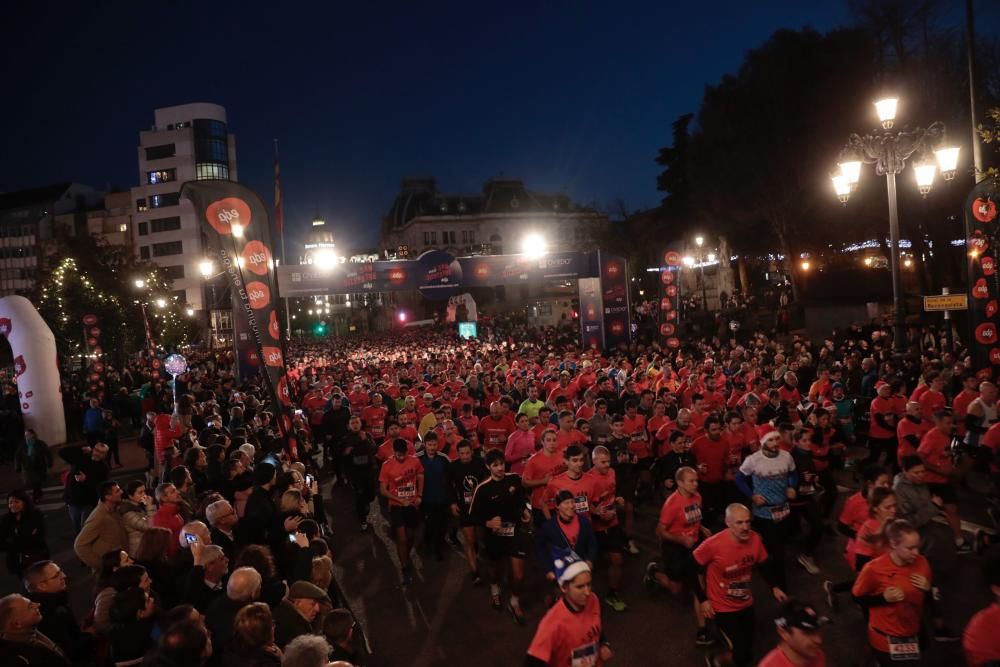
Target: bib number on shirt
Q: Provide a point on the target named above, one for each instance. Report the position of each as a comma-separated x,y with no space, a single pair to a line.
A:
360,460
692,513
903,648
506,529
581,504
407,491
780,513
738,590
584,656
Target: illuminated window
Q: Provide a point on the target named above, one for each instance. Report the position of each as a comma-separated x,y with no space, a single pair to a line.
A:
161,176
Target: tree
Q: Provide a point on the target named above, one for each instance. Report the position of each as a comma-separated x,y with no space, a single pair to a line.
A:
673,180
88,276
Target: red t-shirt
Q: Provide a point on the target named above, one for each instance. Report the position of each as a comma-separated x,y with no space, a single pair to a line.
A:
585,412
777,658
681,515
582,490
960,407
635,429
401,478
981,641
898,619
538,466
374,420
604,488
907,427
384,451
567,638
729,565
358,400
493,433
880,406
934,450
869,542
566,438
930,402
712,454
853,515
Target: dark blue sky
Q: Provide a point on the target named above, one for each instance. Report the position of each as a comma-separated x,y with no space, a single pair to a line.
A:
572,96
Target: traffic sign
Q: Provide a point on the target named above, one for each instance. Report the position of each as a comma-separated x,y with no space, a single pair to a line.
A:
940,302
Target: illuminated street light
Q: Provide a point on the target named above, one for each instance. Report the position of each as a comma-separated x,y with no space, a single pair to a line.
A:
402,316
140,283
805,265
850,170
237,230
699,241
711,257
325,259
534,246
886,109
206,267
842,187
947,159
688,260
907,262
868,261
924,172
190,312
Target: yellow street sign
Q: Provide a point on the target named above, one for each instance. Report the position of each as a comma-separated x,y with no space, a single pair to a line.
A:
940,302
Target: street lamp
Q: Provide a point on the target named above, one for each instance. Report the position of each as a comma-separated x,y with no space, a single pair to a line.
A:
140,283
206,267
189,311
888,151
534,246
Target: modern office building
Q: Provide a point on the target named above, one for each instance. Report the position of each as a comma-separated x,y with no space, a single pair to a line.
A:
187,142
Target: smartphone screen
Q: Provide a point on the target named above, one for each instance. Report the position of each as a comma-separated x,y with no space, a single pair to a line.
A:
309,480
190,537
291,538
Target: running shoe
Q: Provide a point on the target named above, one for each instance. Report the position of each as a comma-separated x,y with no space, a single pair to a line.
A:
516,613
615,602
944,635
831,595
809,564
649,578
964,548
632,549
702,638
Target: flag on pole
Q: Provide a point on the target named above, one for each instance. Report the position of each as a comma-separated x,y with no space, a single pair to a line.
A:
279,218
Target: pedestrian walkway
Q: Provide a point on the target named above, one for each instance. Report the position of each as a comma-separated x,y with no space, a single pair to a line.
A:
133,460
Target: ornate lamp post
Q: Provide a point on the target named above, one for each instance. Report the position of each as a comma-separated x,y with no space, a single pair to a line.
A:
888,151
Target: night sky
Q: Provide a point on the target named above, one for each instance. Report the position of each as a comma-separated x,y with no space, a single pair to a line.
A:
570,96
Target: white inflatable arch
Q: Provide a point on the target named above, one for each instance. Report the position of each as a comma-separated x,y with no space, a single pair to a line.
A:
470,308
36,368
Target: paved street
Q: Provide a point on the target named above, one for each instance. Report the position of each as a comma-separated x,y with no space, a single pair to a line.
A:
441,619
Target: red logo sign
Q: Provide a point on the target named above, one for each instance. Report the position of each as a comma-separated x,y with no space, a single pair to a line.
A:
673,343
995,356
991,308
986,333
980,290
156,364
612,269
94,377
988,266
482,271
272,356
978,242
667,329
272,326
617,328
256,258
252,358
672,258
667,277
671,315
397,276
5,326
258,294
89,320
95,331
984,210
283,394
225,213
98,350
92,341
591,313
665,304
19,366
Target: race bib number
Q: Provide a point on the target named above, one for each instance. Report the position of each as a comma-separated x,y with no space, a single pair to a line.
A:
638,436
738,590
692,513
600,440
584,656
581,504
780,513
406,491
467,496
807,490
904,648
506,529
360,459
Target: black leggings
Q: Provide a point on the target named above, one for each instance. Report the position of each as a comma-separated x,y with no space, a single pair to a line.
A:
774,535
738,626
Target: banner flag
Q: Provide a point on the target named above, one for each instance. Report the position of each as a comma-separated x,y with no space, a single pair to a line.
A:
981,246
236,229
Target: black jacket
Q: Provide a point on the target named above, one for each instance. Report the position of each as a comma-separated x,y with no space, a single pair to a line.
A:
258,658
59,624
20,654
289,624
23,540
257,517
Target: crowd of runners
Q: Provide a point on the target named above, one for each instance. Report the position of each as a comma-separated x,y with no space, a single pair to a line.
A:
532,457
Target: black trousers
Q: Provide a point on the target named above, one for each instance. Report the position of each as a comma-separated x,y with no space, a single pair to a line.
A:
435,525
739,628
364,494
774,534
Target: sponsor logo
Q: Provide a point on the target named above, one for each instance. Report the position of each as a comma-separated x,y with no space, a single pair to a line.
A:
988,266
5,326
256,258
984,210
272,326
667,277
272,357
981,290
995,356
672,258
225,213
258,295
986,333
89,320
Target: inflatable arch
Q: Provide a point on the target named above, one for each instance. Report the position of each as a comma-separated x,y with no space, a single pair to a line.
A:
36,368
471,315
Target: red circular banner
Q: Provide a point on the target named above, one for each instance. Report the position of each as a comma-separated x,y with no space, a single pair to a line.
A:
667,329
272,356
671,315
984,210
980,290
256,258
988,265
89,320
258,294
995,356
667,277
272,326
671,290
672,258
225,213
986,333
673,343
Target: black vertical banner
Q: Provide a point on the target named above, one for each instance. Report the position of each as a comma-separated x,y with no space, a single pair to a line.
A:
235,225
614,296
591,314
981,246
670,299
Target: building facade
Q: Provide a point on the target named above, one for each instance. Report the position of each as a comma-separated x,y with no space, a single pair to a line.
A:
495,221
112,224
30,223
188,142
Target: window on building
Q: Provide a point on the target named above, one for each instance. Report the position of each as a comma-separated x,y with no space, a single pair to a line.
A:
161,176
143,228
174,272
431,238
160,152
167,199
207,170
123,227
167,249
144,252
448,238
170,224
141,205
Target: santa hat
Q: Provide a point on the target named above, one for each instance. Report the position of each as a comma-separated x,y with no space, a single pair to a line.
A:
568,565
880,384
766,431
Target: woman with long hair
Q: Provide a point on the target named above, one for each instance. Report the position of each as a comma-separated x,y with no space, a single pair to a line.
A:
22,533
152,553
252,643
272,588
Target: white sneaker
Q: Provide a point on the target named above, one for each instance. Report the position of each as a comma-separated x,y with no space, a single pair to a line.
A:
809,564
632,549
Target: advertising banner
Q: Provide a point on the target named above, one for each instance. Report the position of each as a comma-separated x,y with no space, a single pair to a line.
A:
670,300
591,314
981,245
614,297
237,235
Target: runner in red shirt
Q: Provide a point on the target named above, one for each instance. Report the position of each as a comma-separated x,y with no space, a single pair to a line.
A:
910,431
573,480
358,399
495,428
570,633
680,531
539,471
935,452
932,400
961,402
401,481
981,641
373,417
894,587
726,561
712,452
800,642
568,434
604,506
